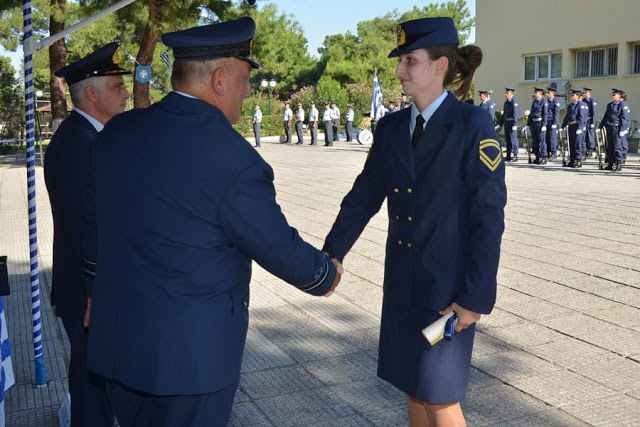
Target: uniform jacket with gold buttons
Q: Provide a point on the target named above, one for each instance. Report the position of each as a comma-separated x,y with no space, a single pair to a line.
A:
445,204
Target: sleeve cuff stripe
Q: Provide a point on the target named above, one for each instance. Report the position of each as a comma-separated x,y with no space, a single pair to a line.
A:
320,280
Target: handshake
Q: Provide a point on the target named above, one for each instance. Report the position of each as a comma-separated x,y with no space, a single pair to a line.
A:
339,272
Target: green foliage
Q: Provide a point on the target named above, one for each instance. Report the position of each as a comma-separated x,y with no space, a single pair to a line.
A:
271,125
11,102
330,90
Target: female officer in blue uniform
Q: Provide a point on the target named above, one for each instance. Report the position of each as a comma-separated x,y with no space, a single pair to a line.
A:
439,166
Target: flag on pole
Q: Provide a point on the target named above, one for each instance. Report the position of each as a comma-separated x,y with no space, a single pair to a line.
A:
165,58
377,95
6,369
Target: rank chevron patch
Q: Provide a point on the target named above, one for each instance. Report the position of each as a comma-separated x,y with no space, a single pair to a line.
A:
490,153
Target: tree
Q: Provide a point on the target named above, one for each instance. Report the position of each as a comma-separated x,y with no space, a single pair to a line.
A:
11,101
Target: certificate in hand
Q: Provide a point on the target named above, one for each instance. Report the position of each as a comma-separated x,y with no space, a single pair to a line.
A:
444,327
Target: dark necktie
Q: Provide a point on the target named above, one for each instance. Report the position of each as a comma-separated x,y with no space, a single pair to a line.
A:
417,132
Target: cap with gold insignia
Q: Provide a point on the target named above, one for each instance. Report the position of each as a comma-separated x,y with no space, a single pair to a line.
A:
425,32
618,91
230,39
102,62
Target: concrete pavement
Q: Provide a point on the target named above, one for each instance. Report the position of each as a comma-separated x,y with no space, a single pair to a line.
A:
562,347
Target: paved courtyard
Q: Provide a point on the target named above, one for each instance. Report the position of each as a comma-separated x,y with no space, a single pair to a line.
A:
562,347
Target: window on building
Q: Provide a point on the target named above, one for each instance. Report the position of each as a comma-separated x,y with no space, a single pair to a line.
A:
635,59
598,62
546,66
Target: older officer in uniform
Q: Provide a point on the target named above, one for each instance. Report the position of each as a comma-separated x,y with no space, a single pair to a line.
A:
257,124
537,122
98,93
348,125
442,252
553,116
313,123
576,120
180,213
299,123
615,123
288,117
487,103
590,134
509,119
327,119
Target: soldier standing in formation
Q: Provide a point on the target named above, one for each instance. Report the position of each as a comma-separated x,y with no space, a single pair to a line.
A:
537,122
313,123
576,120
553,116
299,123
257,124
509,118
404,103
288,116
327,118
590,134
625,115
616,122
336,121
487,103
348,125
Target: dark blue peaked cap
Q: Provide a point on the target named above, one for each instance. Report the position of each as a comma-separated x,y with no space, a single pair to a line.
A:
538,89
102,62
620,91
230,39
425,32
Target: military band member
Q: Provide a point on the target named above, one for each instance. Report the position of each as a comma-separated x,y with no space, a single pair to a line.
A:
553,117
257,125
590,134
575,121
177,232
336,121
442,252
537,123
509,119
327,119
98,93
313,123
299,123
288,118
348,126
487,103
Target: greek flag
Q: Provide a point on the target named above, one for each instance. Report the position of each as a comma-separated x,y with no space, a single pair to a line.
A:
6,369
377,96
165,58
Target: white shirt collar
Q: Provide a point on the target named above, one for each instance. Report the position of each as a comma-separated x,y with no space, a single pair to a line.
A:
185,94
427,112
96,124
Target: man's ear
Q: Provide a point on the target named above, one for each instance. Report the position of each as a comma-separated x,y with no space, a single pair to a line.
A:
217,81
90,93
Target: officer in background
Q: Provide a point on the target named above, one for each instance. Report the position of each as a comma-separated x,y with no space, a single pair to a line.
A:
487,103
348,125
327,119
612,121
257,124
288,117
553,116
404,103
575,120
299,123
336,121
392,107
509,119
313,123
177,231
98,93
625,117
537,122
590,134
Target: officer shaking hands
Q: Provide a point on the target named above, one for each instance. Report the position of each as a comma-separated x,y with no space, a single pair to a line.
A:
180,213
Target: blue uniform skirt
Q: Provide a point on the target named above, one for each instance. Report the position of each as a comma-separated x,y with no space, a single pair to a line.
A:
437,374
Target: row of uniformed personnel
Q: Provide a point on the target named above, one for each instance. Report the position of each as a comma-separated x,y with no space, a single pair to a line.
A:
579,122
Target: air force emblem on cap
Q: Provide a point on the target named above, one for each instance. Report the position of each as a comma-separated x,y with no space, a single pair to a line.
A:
490,153
402,36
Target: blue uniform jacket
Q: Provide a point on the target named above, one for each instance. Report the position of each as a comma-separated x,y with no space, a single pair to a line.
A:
490,106
539,109
592,112
183,204
66,168
511,112
576,112
553,113
445,204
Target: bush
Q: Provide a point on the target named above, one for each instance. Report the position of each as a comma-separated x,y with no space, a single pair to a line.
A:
271,125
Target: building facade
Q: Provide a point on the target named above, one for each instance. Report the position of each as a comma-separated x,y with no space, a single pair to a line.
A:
562,43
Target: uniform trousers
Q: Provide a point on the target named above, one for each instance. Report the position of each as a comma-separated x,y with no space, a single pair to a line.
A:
256,132
551,137
576,143
299,133
614,144
348,130
328,133
511,136
538,137
287,131
314,132
590,138
138,409
89,403
335,131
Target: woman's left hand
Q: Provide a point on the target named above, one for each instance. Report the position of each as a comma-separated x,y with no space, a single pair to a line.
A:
466,318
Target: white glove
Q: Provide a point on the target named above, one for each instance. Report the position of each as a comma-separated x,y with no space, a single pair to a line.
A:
527,112
497,127
579,132
514,128
622,133
593,126
544,128
554,126
525,128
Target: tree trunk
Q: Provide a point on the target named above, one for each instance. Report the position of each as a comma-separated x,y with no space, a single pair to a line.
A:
148,43
57,60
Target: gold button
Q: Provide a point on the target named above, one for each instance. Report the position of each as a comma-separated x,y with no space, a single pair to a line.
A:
244,303
408,245
410,219
397,218
399,242
395,190
409,190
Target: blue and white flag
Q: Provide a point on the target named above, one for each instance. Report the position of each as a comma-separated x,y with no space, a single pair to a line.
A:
377,96
6,369
165,58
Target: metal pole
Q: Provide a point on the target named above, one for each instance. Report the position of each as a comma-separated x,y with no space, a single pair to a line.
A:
269,97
